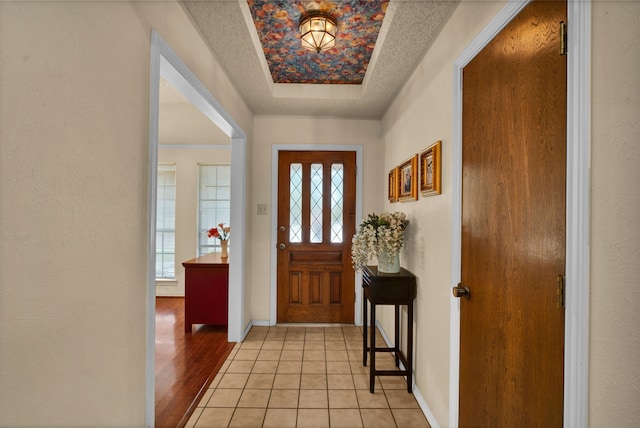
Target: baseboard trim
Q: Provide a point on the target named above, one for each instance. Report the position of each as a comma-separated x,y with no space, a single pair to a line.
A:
259,323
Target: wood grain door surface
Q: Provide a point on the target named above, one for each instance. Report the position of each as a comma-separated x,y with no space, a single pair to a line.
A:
513,225
316,222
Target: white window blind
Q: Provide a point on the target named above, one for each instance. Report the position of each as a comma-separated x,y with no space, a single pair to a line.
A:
166,222
214,204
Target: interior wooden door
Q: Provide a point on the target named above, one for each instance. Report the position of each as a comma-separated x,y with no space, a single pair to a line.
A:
316,222
513,225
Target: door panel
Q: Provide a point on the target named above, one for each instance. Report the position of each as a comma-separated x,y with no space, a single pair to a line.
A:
513,225
316,221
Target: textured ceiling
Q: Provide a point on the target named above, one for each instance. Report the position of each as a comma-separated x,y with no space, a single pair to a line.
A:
405,34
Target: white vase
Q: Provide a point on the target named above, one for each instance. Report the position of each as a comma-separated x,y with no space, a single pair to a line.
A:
389,263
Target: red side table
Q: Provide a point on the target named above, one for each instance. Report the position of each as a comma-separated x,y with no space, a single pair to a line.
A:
206,291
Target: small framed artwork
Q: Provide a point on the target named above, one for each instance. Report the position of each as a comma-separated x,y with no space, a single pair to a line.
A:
408,178
430,170
392,185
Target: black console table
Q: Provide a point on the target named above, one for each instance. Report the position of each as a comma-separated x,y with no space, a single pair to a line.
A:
388,289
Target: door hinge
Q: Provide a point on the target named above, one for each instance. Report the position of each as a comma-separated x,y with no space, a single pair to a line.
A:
563,38
560,290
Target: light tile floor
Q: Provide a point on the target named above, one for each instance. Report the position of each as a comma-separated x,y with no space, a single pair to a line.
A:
305,377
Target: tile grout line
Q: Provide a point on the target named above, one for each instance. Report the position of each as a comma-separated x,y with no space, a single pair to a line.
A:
268,336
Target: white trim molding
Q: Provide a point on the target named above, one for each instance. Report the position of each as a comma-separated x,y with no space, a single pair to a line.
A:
576,345
576,375
196,146
275,149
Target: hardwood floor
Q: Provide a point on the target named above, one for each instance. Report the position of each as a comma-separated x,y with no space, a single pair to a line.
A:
185,363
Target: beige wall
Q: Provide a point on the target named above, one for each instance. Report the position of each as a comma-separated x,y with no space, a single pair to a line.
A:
614,338
187,161
278,130
74,91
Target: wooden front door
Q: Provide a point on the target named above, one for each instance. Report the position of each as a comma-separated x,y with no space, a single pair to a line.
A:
513,225
316,222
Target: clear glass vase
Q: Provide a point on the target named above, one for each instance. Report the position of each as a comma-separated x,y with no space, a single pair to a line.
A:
223,247
389,263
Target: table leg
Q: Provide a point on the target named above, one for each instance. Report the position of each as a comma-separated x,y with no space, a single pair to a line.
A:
397,335
364,330
372,348
410,346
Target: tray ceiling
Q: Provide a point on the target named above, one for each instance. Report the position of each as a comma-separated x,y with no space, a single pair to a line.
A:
378,45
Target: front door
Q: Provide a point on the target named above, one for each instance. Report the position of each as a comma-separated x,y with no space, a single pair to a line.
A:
316,221
513,225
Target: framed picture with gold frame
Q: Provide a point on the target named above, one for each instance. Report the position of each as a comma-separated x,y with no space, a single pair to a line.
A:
392,185
430,169
408,179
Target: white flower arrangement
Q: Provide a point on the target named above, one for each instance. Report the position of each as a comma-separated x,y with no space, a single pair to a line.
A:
378,234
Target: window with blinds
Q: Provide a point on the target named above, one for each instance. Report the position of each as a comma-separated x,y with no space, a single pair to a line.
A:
166,222
214,204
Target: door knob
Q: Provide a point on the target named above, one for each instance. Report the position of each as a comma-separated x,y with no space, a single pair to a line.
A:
282,246
282,229
460,291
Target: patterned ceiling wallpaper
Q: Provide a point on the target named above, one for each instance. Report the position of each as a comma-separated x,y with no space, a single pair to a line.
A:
359,23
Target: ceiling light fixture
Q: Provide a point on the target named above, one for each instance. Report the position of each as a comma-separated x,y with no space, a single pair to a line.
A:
317,31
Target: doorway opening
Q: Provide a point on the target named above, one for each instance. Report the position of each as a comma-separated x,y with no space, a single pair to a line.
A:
165,63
